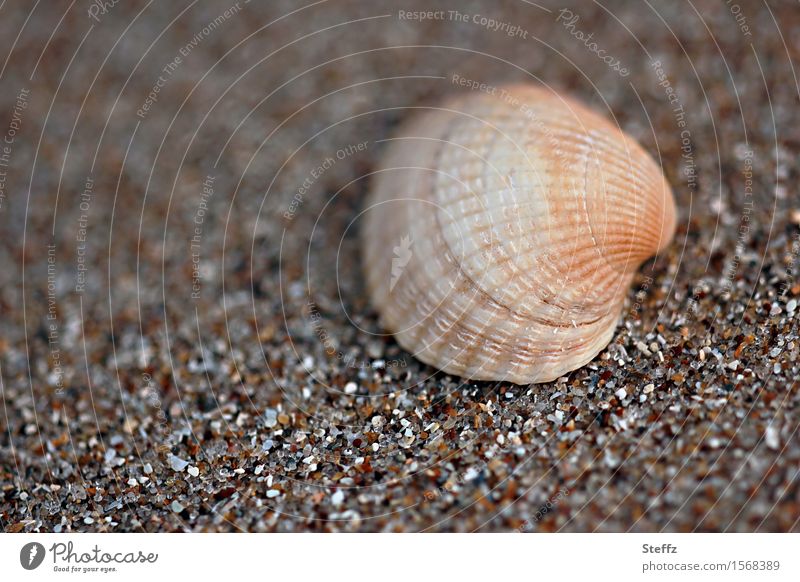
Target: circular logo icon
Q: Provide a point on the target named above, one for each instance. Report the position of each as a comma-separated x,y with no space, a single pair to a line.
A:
31,555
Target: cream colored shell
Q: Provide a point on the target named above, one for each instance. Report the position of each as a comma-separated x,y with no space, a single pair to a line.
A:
502,233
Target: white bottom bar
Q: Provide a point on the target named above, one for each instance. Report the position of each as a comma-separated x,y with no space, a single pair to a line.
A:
382,557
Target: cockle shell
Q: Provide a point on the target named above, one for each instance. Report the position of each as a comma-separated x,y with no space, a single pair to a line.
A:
503,231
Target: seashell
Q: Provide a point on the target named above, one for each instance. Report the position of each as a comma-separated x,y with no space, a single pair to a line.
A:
503,231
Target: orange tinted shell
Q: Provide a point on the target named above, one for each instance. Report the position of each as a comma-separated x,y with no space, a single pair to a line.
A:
503,231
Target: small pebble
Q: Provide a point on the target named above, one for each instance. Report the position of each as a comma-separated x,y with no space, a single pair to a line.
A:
270,418
193,471
176,506
772,438
177,463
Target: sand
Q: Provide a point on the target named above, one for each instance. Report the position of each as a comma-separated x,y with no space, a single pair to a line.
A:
185,342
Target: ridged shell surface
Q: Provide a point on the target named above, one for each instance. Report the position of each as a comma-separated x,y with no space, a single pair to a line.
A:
503,230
